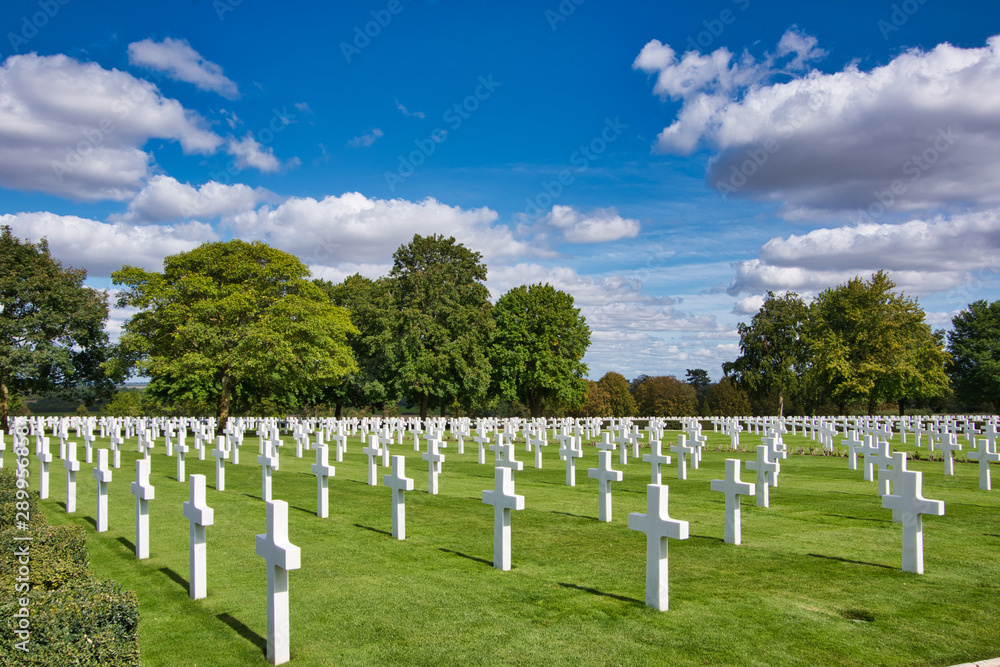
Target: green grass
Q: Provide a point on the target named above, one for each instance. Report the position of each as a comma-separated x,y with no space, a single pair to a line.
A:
817,579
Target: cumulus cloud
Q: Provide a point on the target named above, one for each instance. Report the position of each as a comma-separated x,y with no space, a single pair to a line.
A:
165,199
180,62
600,225
251,153
748,305
407,112
77,130
922,256
917,133
366,139
354,228
104,247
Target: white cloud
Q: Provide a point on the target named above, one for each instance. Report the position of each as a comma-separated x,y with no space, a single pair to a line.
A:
353,228
104,247
182,63
251,153
601,225
921,256
366,139
164,199
748,305
77,130
407,112
921,132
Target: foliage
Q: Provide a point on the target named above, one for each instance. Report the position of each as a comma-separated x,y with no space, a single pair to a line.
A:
698,378
232,319
51,326
666,396
727,400
444,322
974,345
773,352
871,344
597,403
537,352
620,402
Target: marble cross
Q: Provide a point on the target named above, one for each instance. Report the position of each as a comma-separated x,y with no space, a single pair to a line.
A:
908,500
570,454
281,556
604,476
72,467
658,526
765,469
103,477
399,483
733,488
44,459
220,452
503,500
143,492
656,459
434,460
682,449
372,451
984,455
199,515
268,462
323,471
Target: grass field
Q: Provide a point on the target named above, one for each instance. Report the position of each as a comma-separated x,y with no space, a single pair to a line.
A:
817,579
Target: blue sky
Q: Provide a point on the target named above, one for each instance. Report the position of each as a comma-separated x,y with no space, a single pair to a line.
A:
664,163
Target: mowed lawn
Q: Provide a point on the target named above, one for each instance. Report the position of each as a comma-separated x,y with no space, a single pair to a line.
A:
817,579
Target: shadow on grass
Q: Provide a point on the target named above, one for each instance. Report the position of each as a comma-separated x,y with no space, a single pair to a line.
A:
849,493
243,631
128,543
91,520
356,481
176,578
594,591
61,504
374,530
858,518
578,516
251,495
459,553
303,509
707,537
990,535
855,562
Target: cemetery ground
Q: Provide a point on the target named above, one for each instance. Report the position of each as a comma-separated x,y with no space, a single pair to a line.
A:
817,579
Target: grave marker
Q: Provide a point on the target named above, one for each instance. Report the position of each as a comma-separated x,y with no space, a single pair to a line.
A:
911,505
103,477
281,556
764,469
504,500
72,466
399,483
984,455
323,471
143,492
658,526
604,476
199,515
733,488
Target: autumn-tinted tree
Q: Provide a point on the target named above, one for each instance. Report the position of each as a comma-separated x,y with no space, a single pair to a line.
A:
774,355
444,324
537,352
727,400
666,396
974,345
871,344
620,401
51,326
232,319
597,404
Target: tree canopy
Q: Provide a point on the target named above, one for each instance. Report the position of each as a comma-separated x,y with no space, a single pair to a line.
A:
620,400
974,345
665,395
232,319
51,325
537,352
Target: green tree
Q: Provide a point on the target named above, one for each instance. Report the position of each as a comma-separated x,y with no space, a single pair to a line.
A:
597,404
537,352
871,344
232,319
620,401
51,326
974,345
727,400
665,395
444,323
698,378
372,311
773,351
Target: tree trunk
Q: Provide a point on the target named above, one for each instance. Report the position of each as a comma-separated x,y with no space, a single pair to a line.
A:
534,405
424,400
338,410
871,406
841,409
224,399
443,408
4,403
902,407
781,404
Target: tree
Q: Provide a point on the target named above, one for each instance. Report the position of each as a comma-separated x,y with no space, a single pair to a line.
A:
51,326
774,354
372,311
727,400
665,395
232,319
620,401
871,344
974,345
537,352
598,402
445,322
698,378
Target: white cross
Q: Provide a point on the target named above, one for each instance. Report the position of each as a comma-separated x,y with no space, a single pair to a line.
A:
44,459
605,443
853,448
481,440
199,515
504,500
908,500
949,445
764,469
220,452
984,455
267,461
372,451
891,478
505,458
604,476
434,460
281,556
623,441
882,459
399,483
72,466
537,443
384,440
656,459
323,471
570,454
733,488
681,448
103,477
658,526
143,492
